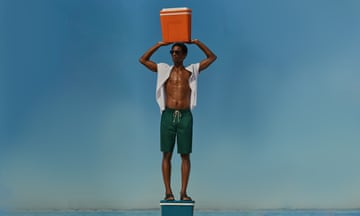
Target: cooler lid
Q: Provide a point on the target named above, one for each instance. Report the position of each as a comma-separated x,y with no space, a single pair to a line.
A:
176,10
177,203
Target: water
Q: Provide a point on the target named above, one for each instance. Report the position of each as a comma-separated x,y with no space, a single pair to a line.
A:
196,213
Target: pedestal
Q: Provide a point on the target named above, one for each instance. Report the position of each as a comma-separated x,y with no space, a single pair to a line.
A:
177,208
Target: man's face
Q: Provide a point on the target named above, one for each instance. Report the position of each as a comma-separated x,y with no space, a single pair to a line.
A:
177,54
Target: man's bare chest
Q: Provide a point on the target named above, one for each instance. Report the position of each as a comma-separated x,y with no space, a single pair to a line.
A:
180,77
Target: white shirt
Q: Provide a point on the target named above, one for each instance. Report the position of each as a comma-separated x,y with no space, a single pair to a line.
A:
163,71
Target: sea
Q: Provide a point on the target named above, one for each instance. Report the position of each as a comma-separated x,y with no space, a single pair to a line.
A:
196,213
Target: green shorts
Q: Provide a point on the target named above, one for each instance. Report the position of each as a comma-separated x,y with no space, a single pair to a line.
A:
176,124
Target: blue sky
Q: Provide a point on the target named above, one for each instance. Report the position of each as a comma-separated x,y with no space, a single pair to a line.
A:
276,126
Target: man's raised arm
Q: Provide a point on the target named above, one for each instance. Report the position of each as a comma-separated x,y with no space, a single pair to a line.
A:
145,59
210,56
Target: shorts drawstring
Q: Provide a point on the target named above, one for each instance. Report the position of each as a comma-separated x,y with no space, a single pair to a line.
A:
176,116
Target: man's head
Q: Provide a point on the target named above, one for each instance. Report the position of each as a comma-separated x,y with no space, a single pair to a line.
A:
178,52
182,46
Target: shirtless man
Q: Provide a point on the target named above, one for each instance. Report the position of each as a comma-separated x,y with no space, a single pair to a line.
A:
176,96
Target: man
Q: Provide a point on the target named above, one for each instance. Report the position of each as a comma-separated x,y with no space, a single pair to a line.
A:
176,95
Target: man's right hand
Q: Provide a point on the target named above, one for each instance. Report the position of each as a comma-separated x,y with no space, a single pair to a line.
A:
163,43
193,41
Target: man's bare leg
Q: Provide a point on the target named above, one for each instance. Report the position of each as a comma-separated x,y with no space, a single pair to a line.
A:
166,171
185,173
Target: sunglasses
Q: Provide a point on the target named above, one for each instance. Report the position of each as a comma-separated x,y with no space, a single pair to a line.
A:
177,52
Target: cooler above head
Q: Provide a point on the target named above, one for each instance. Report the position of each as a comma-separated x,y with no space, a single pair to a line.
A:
176,24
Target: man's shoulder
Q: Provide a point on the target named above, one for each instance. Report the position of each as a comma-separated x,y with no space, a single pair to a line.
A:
194,68
163,64
163,68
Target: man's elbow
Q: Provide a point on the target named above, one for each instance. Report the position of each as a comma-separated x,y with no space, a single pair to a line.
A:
141,60
213,58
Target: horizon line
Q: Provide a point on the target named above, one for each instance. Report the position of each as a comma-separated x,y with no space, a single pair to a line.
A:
158,209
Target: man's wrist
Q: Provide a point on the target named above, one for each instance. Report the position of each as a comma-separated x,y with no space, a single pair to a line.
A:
196,41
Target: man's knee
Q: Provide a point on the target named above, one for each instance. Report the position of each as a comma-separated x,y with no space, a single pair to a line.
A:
185,157
167,156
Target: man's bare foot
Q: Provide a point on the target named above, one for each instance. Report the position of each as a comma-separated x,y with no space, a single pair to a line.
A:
185,197
169,197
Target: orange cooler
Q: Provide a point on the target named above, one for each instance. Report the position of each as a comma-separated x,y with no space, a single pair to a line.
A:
176,24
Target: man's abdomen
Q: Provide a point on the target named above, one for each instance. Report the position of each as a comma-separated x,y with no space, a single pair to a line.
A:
177,96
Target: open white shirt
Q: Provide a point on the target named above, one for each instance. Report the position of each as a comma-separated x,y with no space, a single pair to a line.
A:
163,71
